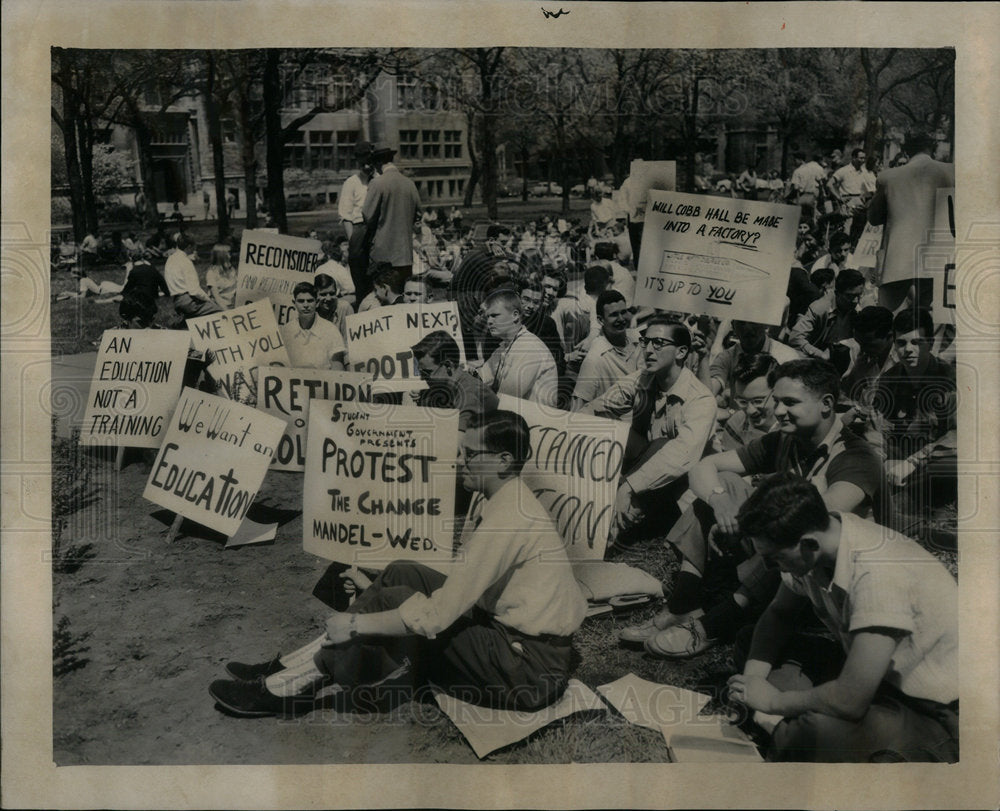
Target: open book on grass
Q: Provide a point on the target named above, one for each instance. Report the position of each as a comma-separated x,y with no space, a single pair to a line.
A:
709,739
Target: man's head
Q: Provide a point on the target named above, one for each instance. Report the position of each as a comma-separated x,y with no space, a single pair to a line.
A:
503,313
920,140
596,279
805,394
751,390
849,288
386,283
665,344
415,290
873,330
914,333
613,314
840,246
605,251
304,298
750,335
381,154
858,158
437,356
532,298
326,294
784,518
823,278
495,448
553,285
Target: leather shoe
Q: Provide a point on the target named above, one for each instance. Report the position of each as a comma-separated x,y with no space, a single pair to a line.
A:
680,641
252,699
243,672
638,634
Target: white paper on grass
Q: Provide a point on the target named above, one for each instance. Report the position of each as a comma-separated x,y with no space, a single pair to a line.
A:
650,704
252,532
709,739
488,729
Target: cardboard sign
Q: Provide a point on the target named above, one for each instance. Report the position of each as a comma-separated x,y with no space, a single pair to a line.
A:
643,176
137,379
380,483
380,341
271,265
213,460
865,255
240,340
936,258
286,393
573,471
721,257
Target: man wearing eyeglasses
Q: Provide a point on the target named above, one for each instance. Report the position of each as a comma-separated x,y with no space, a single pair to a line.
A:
672,414
825,323
448,384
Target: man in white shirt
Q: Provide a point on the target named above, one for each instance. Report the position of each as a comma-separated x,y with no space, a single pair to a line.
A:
312,342
613,354
181,276
495,629
349,205
336,271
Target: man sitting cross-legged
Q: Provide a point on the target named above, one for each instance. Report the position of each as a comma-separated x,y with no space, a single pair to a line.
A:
495,630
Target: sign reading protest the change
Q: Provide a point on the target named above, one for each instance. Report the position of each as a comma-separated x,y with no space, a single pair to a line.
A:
380,483
240,341
271,265
643,176
573,471
715,255
137,379
286,393
937,258
213,460
380,341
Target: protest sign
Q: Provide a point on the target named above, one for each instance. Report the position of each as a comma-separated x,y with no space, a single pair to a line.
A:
271,265
286,393
718,256
573,471
380,483
212,460
936,258
379,341
137,379
865,255
240,341
643,176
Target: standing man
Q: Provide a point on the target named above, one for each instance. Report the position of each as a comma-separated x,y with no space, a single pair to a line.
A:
390,209
806,184
349,206
852,186
312,342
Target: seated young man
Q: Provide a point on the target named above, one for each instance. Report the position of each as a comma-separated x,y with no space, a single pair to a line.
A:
312,342
496,630
672,413
826,322
448,385
811,442
613,353
887,690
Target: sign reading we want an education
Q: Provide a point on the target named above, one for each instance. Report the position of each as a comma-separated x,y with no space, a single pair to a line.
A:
137,380
380,483
715,255
213,460
380,341
271,265
287,393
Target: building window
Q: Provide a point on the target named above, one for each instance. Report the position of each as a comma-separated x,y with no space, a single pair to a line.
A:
346,139
409,144
461,185
228,130
453,143
296,151
407,92
337,94
321,149
432,143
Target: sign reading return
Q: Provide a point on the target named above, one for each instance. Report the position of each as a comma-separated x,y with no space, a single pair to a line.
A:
715,255
573,471
271,265
240,341
380,341
213,460
380,483
286,393
137,379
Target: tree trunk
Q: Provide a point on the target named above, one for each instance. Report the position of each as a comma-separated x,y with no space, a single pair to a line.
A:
473,158
143,142
218,159
249,156
487,75
68,127
86,134
524,173
274,150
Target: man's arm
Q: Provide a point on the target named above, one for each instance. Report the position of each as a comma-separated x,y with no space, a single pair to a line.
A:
804,326
772,632
704,479
878,208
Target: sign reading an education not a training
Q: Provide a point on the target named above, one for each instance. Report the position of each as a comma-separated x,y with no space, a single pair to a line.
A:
715,255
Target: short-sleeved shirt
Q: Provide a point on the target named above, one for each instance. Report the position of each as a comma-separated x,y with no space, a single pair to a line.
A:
723,365
605,365
313,348
842,456
884,580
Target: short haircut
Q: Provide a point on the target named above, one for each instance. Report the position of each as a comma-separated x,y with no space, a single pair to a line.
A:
607,297
323,281
220,254
505,296
679,333
605,250
873,321
919,140
531,284
909,320
416,279
385,274
839,240
823,276
596,278
304,287
848,279
857,151
819,376
558,275
783,509
505,432
439,346
750,367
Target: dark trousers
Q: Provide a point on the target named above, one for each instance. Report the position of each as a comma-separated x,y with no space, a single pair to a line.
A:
477,659
896,727
357,260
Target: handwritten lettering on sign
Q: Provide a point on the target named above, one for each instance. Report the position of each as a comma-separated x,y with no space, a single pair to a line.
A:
270,265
